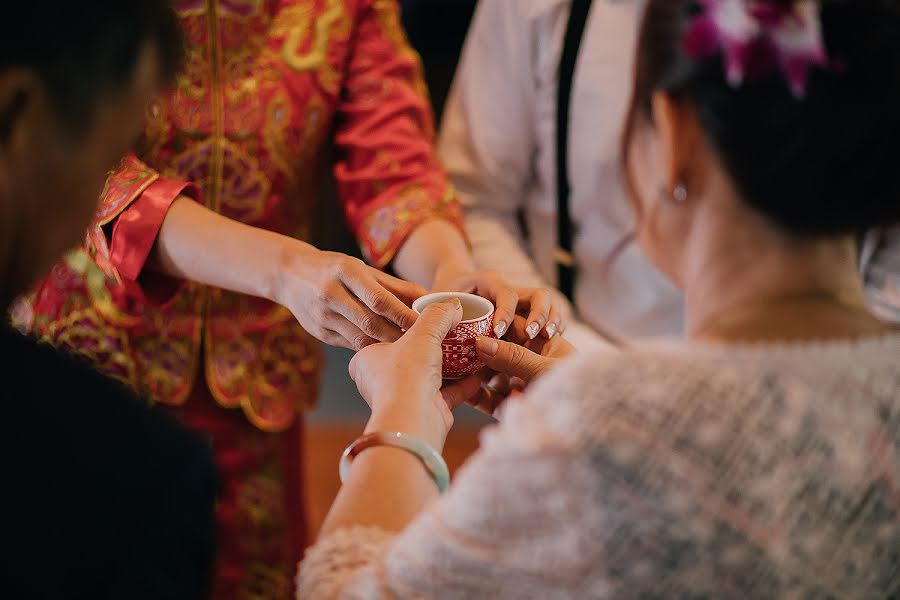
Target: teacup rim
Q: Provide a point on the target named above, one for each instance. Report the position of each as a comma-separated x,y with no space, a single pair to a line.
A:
476,297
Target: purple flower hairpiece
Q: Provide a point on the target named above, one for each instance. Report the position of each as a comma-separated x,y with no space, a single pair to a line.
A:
759,37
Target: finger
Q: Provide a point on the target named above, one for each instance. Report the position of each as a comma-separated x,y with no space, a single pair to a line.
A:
506,300
511,359
504,297
540,302
500,384
517,333
333,338
356,368
373,325
517,386
487,401
355,338
379,300
438,319
462,391
406,291
553,321
565,314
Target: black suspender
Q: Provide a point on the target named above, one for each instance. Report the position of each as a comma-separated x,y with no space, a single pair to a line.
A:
564,258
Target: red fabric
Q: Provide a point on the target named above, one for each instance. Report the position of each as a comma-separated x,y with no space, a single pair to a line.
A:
134,234
137,227
267,89
250,130
387,172
260,513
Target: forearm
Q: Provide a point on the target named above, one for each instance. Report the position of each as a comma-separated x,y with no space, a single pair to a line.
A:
434,250
388,487
497,244
199,245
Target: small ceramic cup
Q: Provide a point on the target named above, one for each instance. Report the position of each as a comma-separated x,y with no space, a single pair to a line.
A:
460,357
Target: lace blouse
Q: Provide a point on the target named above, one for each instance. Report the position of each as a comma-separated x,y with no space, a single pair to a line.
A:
670,471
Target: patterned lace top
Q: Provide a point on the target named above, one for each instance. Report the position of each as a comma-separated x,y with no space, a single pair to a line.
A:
681,471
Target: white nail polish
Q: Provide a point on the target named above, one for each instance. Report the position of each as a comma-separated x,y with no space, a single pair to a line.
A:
551,330
533,330
500,329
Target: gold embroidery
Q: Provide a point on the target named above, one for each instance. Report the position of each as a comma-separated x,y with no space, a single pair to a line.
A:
295,23
241,9
109,218
96,283
388,224
84,332
243,187
189,8
278,116
169,365
192,82
157,127
287,150
266,582
387,14
267,367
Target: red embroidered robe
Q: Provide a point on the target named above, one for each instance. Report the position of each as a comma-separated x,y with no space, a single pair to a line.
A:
268,86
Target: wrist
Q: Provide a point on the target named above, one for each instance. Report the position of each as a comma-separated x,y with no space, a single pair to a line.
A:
450,270
417,414
292,256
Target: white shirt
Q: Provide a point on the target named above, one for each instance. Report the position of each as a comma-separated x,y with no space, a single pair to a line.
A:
498,144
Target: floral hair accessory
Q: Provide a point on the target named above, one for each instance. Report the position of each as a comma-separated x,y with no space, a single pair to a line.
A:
760,37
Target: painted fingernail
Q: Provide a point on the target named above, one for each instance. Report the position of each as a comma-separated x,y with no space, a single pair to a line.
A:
487,346
500,329
533,329
551,330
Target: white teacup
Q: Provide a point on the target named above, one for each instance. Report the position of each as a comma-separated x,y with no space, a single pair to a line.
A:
460,357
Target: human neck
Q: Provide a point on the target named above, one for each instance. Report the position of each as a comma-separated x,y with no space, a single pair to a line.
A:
772,286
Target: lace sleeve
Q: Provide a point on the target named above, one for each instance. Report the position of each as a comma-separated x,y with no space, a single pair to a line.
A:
644,476
334,560
503,529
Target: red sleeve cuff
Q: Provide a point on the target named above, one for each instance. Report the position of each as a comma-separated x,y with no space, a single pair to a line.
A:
135,231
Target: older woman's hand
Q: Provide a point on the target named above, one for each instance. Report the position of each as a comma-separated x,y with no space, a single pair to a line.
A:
515,365
402,381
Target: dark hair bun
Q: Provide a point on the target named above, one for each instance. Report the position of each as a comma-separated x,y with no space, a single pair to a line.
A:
824,164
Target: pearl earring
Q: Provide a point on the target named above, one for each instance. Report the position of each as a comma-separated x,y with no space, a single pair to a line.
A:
678,195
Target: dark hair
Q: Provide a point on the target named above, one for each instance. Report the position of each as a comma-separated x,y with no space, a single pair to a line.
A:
820,165
83,49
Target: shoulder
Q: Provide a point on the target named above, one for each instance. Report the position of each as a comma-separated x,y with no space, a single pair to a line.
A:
589,395
125,472
77,410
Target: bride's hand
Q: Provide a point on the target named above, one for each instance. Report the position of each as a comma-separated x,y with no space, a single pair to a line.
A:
342,301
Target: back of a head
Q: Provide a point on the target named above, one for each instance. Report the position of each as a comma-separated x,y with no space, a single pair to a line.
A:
74,81
816,164
83,49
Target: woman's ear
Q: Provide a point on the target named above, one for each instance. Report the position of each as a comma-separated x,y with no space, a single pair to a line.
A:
678,133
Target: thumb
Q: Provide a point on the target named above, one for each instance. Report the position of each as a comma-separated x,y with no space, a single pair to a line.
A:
438,319
511,359
460,392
